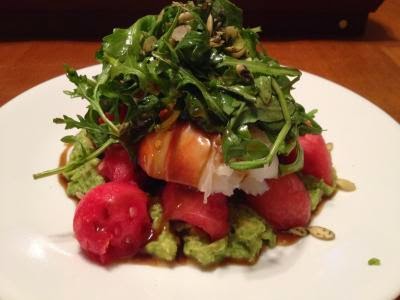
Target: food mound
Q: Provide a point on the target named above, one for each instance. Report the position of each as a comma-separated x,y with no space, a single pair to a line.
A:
192,144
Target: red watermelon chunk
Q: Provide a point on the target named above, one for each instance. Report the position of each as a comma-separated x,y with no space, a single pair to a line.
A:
112,221
117,164
317,159
187,204
286,204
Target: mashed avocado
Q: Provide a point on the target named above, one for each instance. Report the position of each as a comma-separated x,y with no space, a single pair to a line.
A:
248,234
317,189
204,252
85,177
165,246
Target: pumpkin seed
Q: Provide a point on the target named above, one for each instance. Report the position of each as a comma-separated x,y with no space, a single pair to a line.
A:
240,69
239,54
179,32
149,44
298,231
238,49
216,42
185,17
321,233
244,73
230,32
210,24
345,185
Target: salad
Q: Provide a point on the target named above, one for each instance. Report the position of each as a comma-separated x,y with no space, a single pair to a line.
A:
192,144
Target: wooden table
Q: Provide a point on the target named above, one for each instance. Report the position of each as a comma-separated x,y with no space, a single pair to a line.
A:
368,65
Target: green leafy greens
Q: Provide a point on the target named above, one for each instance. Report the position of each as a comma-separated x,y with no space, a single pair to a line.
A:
197,62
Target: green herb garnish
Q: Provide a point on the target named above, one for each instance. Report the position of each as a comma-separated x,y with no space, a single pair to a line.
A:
374,261
197,61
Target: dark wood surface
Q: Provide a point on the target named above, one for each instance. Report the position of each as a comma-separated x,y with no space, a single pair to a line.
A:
91,18
368,65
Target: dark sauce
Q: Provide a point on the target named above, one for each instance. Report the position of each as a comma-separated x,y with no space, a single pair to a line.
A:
286,239
142,258
61,178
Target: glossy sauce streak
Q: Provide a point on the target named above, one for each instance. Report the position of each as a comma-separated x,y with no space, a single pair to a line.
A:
62,162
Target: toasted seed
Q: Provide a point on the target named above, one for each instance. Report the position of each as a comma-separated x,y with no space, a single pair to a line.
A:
185,17
244,73
239,53
240,68
231,49
210,24
329,146
298,231
216,42
238,49
179,32
230,32
321,233
217,24
345,185
149,43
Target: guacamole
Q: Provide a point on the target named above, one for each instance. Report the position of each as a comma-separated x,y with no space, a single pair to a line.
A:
85,177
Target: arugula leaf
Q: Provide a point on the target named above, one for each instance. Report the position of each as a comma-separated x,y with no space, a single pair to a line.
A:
124,42
227,13
194,49
295,166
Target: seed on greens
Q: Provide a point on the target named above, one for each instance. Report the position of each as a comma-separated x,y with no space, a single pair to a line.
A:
179,32
345,185
210,24
239,53
185,17
236,52
298,231
244,73
230,32
216,42
149,44
321,233
238,49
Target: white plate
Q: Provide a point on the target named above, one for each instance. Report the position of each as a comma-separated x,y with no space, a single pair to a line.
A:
39,258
